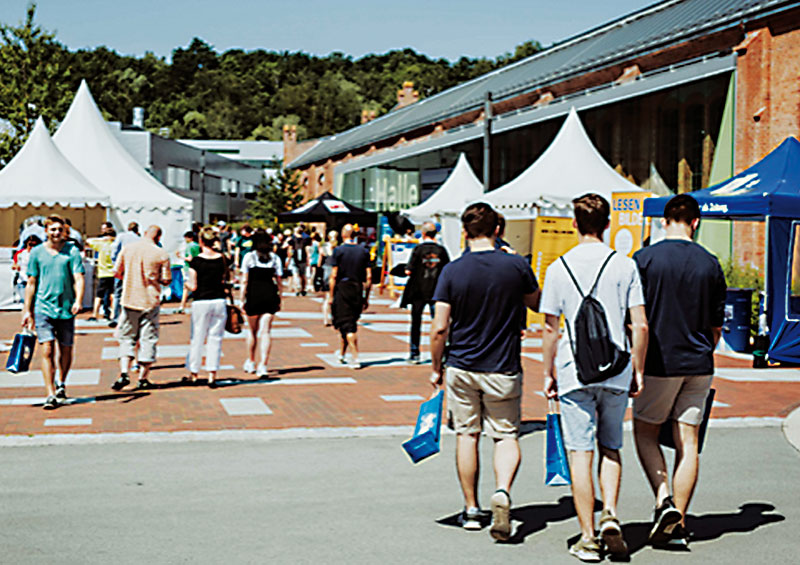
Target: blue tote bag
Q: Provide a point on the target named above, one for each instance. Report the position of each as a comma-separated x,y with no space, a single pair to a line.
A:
19,358
556,464
425,441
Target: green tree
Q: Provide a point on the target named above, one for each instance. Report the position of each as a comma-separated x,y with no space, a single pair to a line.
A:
34,78
280,193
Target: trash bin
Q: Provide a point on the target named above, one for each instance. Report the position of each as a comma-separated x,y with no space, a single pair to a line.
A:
736,327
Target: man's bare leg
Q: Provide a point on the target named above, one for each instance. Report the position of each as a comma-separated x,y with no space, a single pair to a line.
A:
144,370
652,458
352,341
64,361
609,476
580,465
468,467
507,458
684,479
49,367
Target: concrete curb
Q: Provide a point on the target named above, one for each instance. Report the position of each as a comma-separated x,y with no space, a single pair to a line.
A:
791,428
42,440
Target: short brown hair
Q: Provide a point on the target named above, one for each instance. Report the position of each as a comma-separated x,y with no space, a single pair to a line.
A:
208,236
682,208
479,220
591,214
54,219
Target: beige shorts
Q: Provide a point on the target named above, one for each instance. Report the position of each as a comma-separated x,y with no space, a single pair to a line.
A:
488,402
672,398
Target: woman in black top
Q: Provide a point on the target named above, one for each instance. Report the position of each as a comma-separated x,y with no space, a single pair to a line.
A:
261,295
207,279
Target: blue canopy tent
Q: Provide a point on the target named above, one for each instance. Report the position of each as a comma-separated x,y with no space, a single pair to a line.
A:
768,191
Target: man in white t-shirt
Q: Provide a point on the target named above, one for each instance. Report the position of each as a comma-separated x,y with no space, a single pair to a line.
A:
594,411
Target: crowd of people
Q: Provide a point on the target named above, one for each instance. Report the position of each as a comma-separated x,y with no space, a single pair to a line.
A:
643,328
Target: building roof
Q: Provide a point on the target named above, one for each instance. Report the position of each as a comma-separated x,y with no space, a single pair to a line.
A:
654,27
240,149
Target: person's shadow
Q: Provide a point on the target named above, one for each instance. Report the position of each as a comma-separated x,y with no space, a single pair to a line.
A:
749,517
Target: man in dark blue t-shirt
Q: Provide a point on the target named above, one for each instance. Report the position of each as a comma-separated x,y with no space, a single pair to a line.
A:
481,299
350,282
684,292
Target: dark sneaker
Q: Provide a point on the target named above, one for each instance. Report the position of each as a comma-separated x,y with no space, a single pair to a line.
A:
414,360
61,392
51,403
144,384
678,539
611,534
586,550
92,319
121,382
664,517
470,519
112,324
501,516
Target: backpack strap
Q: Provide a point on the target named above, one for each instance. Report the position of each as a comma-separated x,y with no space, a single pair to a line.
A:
574,280
600,272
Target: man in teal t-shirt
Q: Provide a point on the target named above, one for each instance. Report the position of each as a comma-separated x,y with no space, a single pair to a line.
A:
52,298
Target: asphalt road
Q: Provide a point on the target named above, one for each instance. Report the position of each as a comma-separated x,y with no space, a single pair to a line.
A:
360,500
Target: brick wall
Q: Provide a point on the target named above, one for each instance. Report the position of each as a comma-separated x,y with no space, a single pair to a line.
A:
767,109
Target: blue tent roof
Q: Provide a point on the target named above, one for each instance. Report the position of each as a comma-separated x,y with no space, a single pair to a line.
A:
770,187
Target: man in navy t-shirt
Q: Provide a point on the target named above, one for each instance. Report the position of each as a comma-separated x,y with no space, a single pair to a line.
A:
481,299
350,282
684,292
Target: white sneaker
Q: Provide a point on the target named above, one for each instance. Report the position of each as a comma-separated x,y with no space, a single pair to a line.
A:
261,372
249,366
355,365
340,357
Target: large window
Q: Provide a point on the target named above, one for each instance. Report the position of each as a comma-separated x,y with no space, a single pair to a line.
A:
178,177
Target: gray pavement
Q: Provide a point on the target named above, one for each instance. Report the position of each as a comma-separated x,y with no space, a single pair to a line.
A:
359,500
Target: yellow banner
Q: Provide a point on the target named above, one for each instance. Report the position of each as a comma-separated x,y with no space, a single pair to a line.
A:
626,221
552,237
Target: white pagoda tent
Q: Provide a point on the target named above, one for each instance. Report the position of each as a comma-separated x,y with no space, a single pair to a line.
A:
39,180
448,202
87,141
569,167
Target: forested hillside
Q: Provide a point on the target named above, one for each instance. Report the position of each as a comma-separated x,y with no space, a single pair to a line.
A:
202,93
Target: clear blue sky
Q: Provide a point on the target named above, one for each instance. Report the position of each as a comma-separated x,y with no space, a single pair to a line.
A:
437,28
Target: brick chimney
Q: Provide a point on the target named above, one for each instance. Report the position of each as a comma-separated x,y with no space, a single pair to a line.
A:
406,95
289,143
367,116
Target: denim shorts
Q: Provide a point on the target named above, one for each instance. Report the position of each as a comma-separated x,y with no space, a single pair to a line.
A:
593,412
51,329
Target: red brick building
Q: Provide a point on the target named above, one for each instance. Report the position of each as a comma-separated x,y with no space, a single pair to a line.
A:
652,89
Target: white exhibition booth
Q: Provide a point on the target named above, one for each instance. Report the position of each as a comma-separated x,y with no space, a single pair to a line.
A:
39,180
87,141
448,202
569,167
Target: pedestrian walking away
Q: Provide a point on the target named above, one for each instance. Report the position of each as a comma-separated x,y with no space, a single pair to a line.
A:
424,267
325,258
684,289
207,280
53,296
593,368
126,237
104,295
261,296
351,280
144,267
480,303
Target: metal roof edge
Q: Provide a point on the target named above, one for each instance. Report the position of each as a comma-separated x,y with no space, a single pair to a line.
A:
767,7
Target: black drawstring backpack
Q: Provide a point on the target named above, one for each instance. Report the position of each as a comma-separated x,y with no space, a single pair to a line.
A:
597,357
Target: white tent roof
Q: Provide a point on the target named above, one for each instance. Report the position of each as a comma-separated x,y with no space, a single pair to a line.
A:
40,175
87,141
569,167
460,188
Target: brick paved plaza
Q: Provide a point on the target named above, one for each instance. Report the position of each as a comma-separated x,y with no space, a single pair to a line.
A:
306,387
